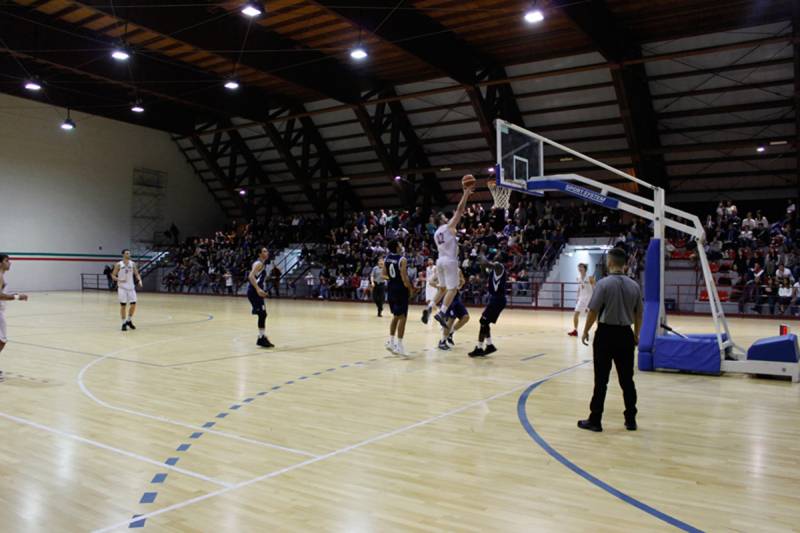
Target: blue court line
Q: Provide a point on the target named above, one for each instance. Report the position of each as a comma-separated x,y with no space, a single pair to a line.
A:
149,497
532,356
523,418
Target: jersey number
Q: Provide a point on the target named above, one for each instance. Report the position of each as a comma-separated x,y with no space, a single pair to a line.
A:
392,271
440,238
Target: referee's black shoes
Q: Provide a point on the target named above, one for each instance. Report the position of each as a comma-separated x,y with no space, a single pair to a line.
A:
589,425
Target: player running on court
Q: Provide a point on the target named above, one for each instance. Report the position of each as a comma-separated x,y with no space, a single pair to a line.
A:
256,292
124,274
447,270
497,302
400,290
5,266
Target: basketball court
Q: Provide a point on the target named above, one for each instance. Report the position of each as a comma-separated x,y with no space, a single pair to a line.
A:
184,423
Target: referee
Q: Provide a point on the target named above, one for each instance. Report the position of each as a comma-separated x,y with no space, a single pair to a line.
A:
617,301
378,285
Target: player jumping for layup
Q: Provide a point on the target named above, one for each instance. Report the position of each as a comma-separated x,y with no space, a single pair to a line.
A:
497,302
447,264
400,289
5,266
124,273
256,292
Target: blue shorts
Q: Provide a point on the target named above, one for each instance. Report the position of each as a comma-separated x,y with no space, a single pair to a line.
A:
493,310
398,301
457,310
257,302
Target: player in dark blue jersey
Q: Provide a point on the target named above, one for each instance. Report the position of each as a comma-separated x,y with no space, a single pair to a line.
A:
457,316
399,290
497,302
256,292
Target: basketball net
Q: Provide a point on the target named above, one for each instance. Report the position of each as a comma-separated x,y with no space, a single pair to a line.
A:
501,195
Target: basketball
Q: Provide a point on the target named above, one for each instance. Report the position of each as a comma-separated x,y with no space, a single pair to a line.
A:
468,181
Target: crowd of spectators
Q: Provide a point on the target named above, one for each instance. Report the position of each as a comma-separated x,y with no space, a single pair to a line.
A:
526,238
756,262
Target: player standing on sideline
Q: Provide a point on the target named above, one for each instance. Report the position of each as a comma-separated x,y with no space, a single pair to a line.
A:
5,266
497,302
430,290
256,292
447,264
458,311
400,289
585,290
124,272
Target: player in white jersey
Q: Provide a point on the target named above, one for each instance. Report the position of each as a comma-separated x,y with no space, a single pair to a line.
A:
5,266
585,291
431,290
125,273
447,264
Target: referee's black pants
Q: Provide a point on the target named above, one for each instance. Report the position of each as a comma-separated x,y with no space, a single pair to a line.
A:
613,344
378,296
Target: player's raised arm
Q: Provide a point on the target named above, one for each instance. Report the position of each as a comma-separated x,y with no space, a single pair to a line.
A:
462,206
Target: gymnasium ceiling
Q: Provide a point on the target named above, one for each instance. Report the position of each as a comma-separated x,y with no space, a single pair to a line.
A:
681,92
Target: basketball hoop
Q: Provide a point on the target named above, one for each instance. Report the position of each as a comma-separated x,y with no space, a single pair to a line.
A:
501,195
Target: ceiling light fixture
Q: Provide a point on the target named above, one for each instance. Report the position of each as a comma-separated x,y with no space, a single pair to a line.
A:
242,192
252,9
761,149
137,106
445,169
534,15
33,85
121,53
68,124
778,143
358,53
232,84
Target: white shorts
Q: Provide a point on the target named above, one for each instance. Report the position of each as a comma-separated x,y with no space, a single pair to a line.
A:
430,293
126,296
447,273
3,337
582,305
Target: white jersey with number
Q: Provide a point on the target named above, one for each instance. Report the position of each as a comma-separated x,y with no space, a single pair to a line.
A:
125,275
446,243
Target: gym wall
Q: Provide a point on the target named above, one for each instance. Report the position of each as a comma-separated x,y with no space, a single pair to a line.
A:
66,196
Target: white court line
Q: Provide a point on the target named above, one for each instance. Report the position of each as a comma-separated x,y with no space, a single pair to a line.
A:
119,451
88,393
334,453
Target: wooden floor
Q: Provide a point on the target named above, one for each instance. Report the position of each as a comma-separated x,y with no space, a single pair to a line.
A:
328,433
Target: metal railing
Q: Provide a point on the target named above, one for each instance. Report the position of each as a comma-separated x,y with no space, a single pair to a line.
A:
95,282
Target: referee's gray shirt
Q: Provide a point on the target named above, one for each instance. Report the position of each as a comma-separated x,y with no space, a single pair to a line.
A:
617,299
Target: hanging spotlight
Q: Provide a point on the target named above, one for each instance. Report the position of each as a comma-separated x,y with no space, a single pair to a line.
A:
33,85
242,192
252,9
490,170
358,53
533,15
760,149
68,124
137,106
120,53
232,84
